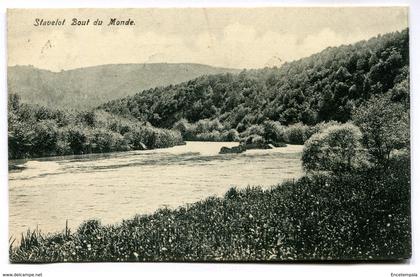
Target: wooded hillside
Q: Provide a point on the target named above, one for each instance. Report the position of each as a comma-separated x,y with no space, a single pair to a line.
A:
323,87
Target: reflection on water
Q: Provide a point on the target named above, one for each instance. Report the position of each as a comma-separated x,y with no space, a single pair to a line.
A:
46,192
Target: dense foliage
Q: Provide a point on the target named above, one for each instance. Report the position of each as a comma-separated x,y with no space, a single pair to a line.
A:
385,125
356,216
323,87
36,131
268,131
336,148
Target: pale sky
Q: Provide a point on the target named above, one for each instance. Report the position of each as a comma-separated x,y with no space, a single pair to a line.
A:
225,37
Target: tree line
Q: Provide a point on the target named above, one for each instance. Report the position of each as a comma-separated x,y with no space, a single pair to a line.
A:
37,131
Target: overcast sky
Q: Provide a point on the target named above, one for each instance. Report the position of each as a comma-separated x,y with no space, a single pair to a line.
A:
237,38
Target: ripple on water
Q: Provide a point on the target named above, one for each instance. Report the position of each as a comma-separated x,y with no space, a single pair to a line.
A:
46,192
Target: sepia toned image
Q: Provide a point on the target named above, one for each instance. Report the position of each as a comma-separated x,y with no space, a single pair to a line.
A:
209,134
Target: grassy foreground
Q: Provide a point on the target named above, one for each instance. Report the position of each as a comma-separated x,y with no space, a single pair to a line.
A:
357,216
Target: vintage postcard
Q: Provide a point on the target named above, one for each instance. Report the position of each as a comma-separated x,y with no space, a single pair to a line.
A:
209,134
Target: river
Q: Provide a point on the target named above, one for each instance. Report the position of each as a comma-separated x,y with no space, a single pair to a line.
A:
44,193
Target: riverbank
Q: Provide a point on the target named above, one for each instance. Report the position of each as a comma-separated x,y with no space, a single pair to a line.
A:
355,216
117,186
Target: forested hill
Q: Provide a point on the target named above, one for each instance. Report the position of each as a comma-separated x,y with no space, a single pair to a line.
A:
325,86
86,88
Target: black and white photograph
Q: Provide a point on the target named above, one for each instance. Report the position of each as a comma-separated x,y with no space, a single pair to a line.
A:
214,134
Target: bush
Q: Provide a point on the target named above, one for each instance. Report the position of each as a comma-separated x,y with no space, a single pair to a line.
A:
297,133
89,227
210,136
78,139
254,130
166,138
253,139
273,131
186,129
385,126
231,135
46,136
104,140
63,146
207,125
21,138
139,137
278,144
202,130
336,148
36,131
320,127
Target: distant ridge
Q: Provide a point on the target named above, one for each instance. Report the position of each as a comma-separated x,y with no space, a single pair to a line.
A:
325,86
88,87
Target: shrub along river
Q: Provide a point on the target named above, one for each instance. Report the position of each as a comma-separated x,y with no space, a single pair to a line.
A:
46,192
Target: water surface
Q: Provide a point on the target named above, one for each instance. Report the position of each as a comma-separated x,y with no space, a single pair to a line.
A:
111,187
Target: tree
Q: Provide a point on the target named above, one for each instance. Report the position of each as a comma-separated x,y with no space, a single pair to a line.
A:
296,133
77,138
401,92
231,135
87,117
184,127
336,148
254,130
273,131
385,126
13,102
21,138
46,137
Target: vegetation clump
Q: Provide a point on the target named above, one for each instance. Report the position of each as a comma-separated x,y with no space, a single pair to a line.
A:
336,148
36,131
385,125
